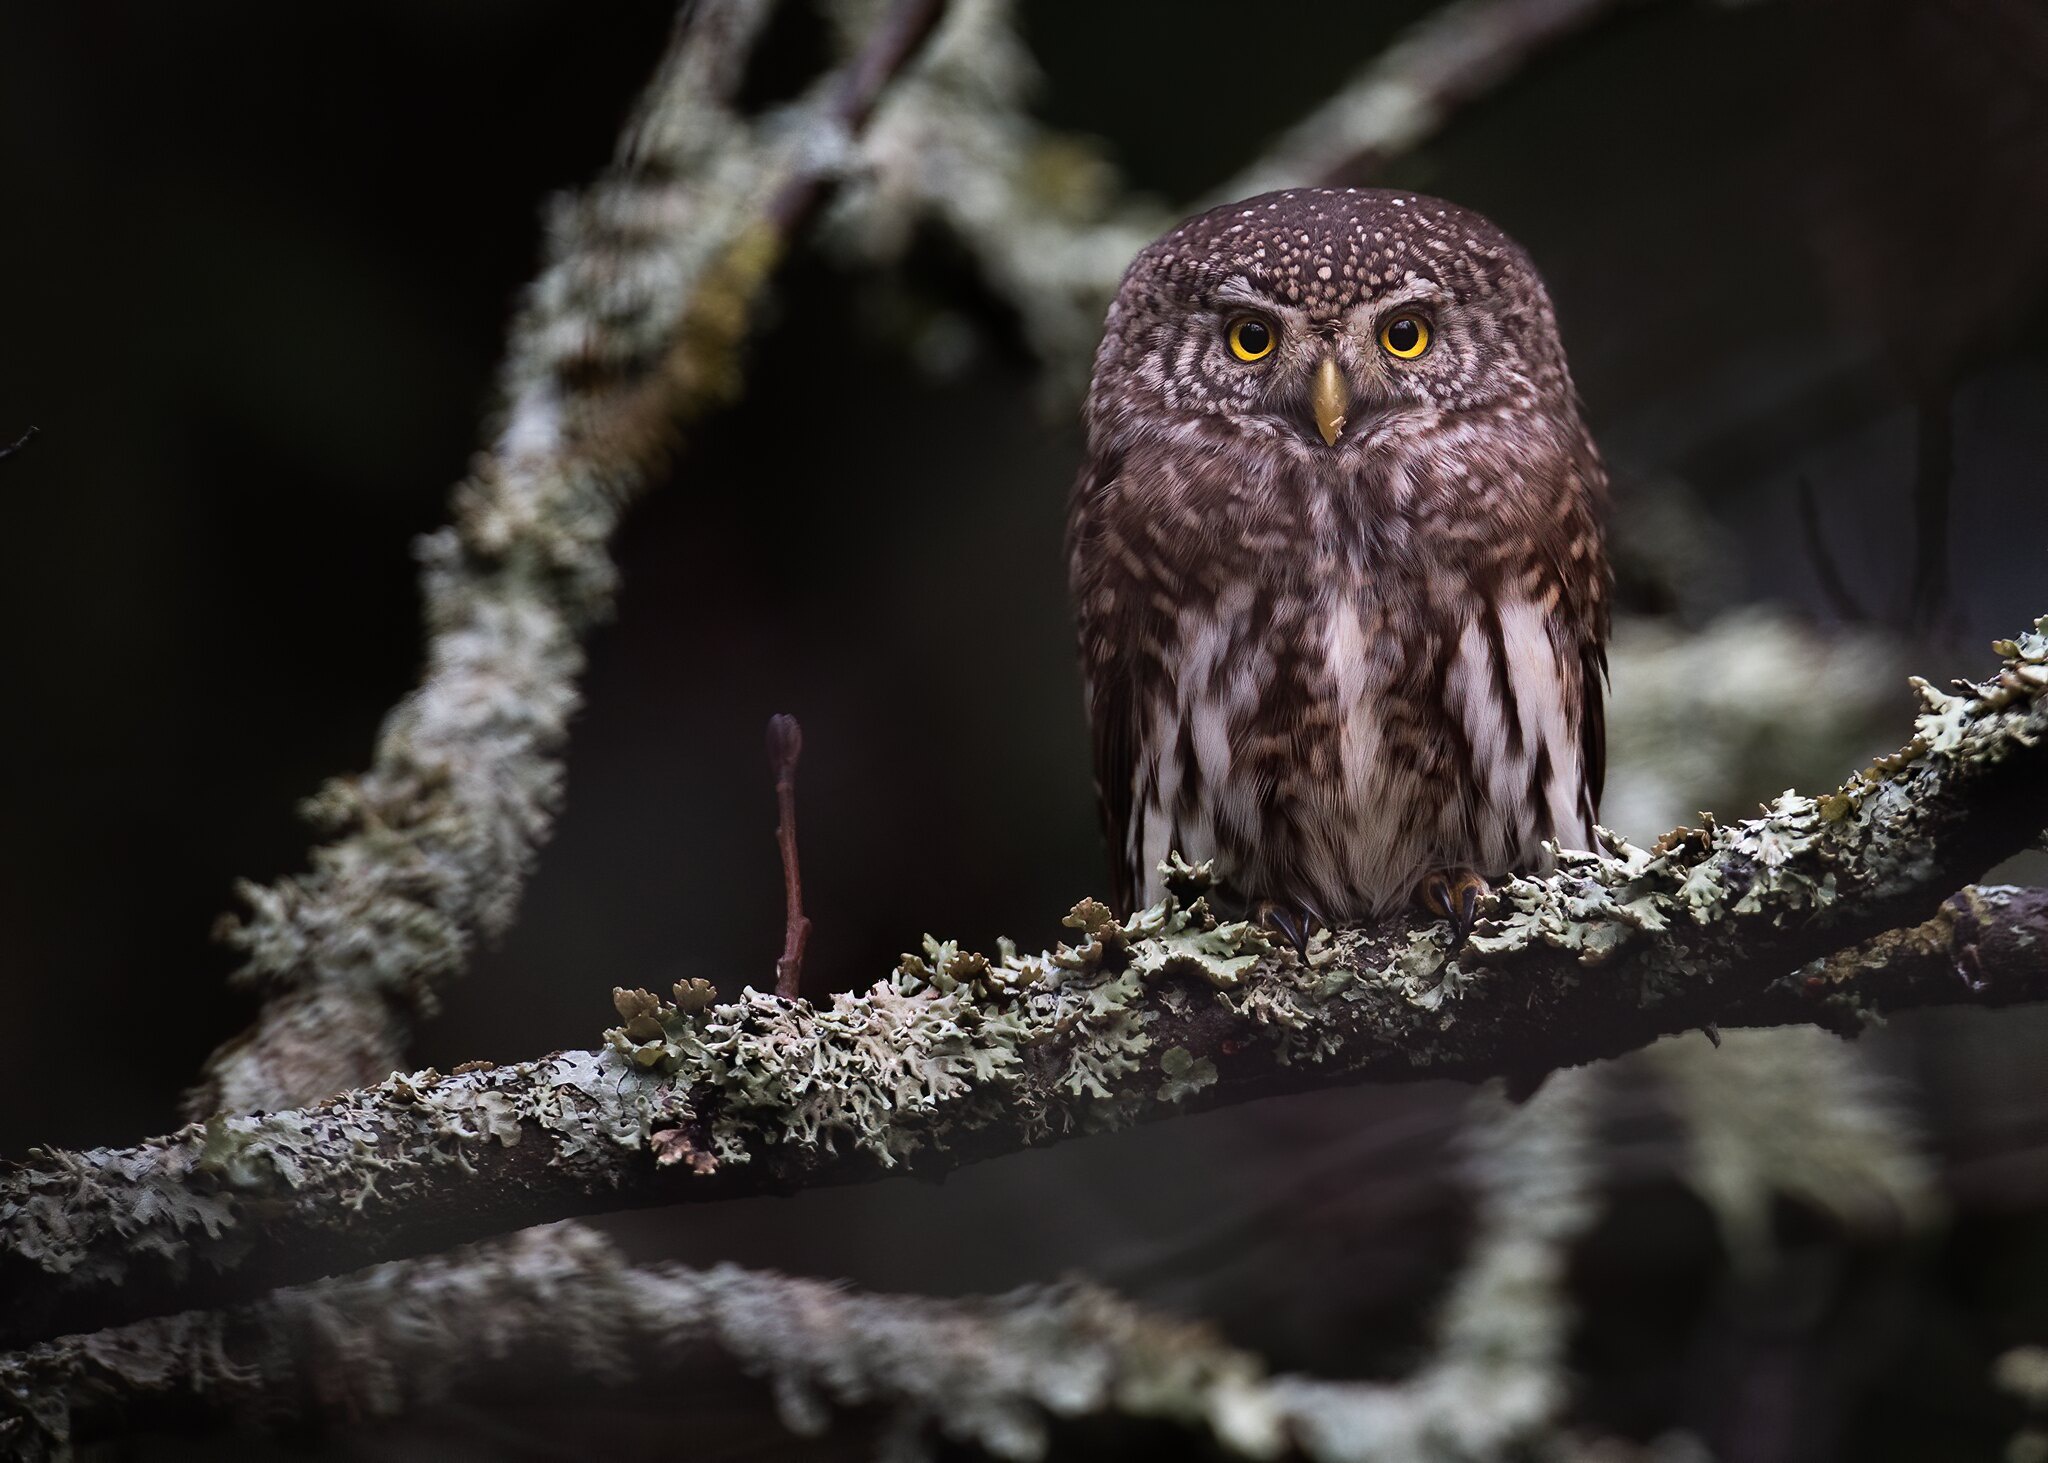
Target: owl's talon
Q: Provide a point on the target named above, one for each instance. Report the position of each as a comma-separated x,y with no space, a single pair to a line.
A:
1453,895
1293,922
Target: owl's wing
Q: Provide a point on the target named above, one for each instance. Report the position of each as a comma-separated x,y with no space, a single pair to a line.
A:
1593,719
1111,687
1583,578
1112,719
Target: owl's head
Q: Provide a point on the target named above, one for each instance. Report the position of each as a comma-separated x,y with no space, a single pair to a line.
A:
1329,319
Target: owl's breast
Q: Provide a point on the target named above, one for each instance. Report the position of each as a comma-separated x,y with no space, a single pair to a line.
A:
1335,739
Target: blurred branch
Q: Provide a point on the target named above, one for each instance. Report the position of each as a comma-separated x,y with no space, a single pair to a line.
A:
1829,574
1454,55
1043,215
958,1057
18,443
1048,219
1934,452
533,1315
1496,1379
1752,700
560,1308
651,277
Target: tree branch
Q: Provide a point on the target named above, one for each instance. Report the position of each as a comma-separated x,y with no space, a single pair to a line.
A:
527,1315
635,320
1046,216
1986,945
958,1057
559,1308
1402,97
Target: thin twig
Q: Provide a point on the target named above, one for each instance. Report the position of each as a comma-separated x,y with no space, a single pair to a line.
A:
546,1321
785,745
1832,584
1933,474
20,442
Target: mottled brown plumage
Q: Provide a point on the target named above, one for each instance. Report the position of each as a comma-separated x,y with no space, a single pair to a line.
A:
1342,613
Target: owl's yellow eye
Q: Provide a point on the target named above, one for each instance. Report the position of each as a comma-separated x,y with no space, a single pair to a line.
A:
1405,337
1251,339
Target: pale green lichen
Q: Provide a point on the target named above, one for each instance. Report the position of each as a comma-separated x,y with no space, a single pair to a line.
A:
1185,1073
948,1031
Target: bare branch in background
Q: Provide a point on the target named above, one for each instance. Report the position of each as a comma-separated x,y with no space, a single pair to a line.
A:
1814,539
959,1057
552,1309
18,443
1454,55
634,320
1934,467
1046,217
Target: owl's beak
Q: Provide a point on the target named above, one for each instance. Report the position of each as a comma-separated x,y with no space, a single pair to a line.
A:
1331,398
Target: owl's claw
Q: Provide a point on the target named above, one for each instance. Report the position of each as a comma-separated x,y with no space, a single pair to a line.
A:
1293,921
1453,895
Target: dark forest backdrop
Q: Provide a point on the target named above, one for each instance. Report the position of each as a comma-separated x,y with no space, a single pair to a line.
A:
254,275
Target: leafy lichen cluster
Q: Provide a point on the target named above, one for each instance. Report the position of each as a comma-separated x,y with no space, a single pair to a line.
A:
952,1041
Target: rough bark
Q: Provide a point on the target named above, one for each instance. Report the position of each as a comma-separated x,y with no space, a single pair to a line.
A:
533,1318
634,321
958,1057
556,1313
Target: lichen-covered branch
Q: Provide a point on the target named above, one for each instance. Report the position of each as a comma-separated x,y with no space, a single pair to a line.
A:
529,1316
1987,943
959,1056
635,319
1496,1379
553,1309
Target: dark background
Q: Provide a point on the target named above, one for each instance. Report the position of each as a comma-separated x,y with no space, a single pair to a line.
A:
255,269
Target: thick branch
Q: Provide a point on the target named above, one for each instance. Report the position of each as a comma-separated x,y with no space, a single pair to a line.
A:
957,1057
556,1310
1988,945
527,1317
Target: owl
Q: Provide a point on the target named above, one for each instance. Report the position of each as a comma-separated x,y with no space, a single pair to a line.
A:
1337,562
